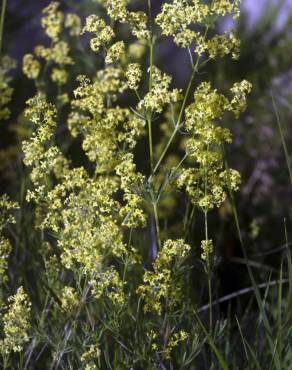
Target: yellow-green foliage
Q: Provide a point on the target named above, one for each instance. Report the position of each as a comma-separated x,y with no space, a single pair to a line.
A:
101,266
16,323
162,283
6,65
6,218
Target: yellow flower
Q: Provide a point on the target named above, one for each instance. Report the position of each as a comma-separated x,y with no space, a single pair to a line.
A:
5,250
134,75
115,52
103,33
162,284
52,22
69,299
30,67
6,65
173,342
73,23
60,76
207,249
16,323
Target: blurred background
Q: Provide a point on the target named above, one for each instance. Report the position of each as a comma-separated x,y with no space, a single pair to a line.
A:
265,199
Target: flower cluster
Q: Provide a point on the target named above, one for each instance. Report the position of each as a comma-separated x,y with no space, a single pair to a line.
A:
178,18
52,22
137,21
6,206
73,23
160,94
240,91
162,284
109,285
16,323
69,299
77,196
206,184
105,129
115,52
131,182
180,14
5,250
223,7
103,33
30,66
6,65
207,249
174,341
57,54
221,45
85,243
90,356
134,75
37,150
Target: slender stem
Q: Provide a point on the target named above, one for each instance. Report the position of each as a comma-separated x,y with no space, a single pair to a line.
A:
126,261
209,275
3,11
282,137
151,62
240,292
68,329
177,126
195,68
125,271
149,118
170,176
189,223
208,255
149,123
206,224
165,151
157,223
151,58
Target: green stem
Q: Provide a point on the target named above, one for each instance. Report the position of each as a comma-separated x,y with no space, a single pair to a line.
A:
126,262
208,257
149,119
3,11
282,137
157,224
125,271
151,62
151,58
177,126
149,122
165,151
179,120
170,176
209,275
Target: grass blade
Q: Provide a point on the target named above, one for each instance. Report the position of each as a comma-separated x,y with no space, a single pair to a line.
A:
213,346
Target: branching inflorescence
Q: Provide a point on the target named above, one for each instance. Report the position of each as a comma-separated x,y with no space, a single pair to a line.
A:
97,213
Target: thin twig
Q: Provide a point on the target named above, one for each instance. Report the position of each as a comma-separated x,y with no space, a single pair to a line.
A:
2,19
239,293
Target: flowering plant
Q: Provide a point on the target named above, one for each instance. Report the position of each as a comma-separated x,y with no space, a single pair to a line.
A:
116,272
